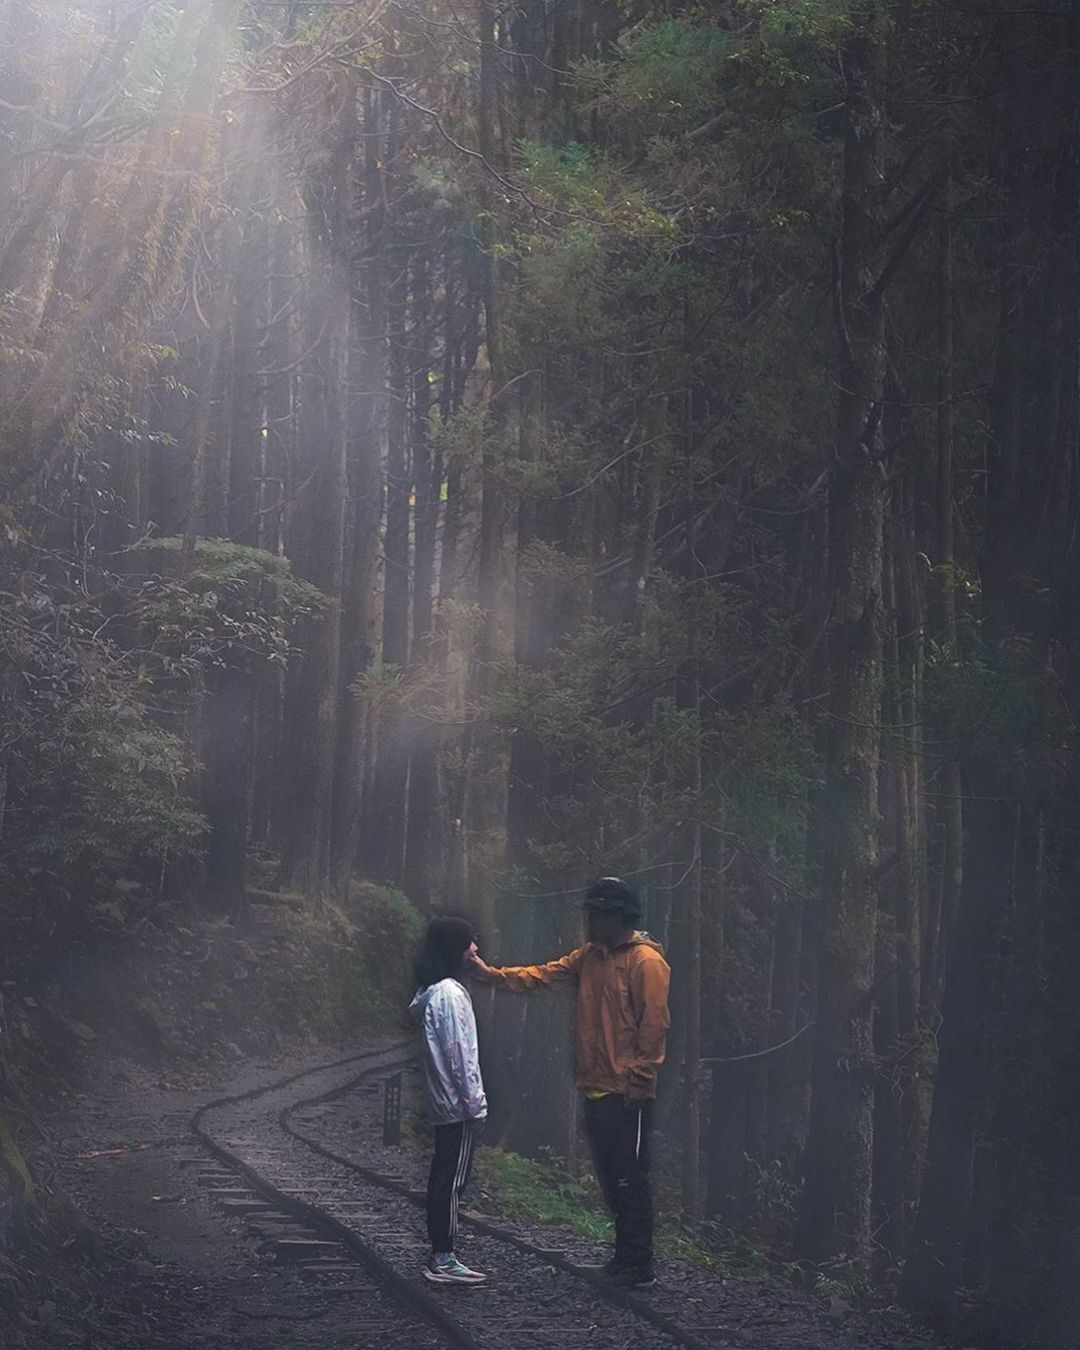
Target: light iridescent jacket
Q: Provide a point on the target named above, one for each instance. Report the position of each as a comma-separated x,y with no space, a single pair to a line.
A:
450,1055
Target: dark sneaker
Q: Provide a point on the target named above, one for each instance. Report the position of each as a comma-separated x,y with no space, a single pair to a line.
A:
448,1269
633,1277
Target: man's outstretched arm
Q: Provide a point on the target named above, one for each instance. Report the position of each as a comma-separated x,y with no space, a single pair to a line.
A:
564,970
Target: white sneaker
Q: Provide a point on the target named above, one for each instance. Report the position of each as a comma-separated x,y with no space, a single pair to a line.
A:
447,1269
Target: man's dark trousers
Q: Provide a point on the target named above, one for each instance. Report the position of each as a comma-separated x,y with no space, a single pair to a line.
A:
618,1132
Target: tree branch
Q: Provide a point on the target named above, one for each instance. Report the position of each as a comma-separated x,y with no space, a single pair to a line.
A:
925,200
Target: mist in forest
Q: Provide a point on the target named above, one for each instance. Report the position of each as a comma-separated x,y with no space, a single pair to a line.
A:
459,453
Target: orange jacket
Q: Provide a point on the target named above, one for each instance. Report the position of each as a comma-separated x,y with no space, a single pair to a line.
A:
622,1010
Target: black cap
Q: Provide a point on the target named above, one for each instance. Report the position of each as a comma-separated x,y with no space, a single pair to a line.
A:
611,895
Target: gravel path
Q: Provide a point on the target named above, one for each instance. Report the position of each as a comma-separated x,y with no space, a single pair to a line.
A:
737,1314
527,1300
184,1261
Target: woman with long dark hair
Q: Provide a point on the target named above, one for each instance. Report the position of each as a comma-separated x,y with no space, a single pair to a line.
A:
455,1090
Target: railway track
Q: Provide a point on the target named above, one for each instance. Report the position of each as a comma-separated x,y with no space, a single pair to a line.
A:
274,1190
301,1160
344,1220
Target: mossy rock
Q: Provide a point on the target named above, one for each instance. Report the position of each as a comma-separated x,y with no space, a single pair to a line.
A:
14,1166
147,1021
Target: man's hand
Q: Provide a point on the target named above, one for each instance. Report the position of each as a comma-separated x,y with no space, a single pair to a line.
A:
477,967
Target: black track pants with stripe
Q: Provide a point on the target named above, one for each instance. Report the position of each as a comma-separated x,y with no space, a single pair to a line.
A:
449,1175
618,1134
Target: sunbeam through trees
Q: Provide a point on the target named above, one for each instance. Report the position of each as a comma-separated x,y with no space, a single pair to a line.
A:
471,450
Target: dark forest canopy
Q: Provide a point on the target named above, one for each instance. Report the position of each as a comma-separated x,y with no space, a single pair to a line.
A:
480,448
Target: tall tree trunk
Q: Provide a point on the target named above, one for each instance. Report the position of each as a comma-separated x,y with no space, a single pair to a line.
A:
355,746
888,1138
384,850
484,781
307,859
232,689
278,436
933,1268
692,1084
835,1217
229,787
786,1095
247,419
945,897
421,843
982,1059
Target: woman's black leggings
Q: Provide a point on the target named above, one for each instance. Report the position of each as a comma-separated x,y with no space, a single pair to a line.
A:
450,1169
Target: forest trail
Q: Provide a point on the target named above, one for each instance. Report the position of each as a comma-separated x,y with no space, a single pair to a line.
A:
449,454
181,1266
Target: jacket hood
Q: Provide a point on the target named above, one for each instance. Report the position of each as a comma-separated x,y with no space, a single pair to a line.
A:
421,999
643,939
639,939
423,996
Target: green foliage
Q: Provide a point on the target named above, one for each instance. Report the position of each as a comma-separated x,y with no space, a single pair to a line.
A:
542,1191
679,732
998,707
792,38
385,930
151,65
462,619
563,277
560,458
554,704
681,1245
349,963
382,687
661,276
545,561
236,603
671,72
533,477
95,786
673,75
614,243
766,769
591,184
466,436
116,795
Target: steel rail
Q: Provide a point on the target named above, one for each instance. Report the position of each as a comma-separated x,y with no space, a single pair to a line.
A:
402,1289
621,1299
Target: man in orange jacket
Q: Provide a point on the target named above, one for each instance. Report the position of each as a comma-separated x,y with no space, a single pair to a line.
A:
622,984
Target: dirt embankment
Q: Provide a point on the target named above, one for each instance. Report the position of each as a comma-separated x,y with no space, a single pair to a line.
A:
171,1000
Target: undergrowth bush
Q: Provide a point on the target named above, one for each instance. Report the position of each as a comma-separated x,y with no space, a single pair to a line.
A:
385,927
544,1191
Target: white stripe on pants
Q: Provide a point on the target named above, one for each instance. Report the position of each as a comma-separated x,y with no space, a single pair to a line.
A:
464,1158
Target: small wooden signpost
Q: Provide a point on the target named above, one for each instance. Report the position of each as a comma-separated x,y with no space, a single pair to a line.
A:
391,1129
